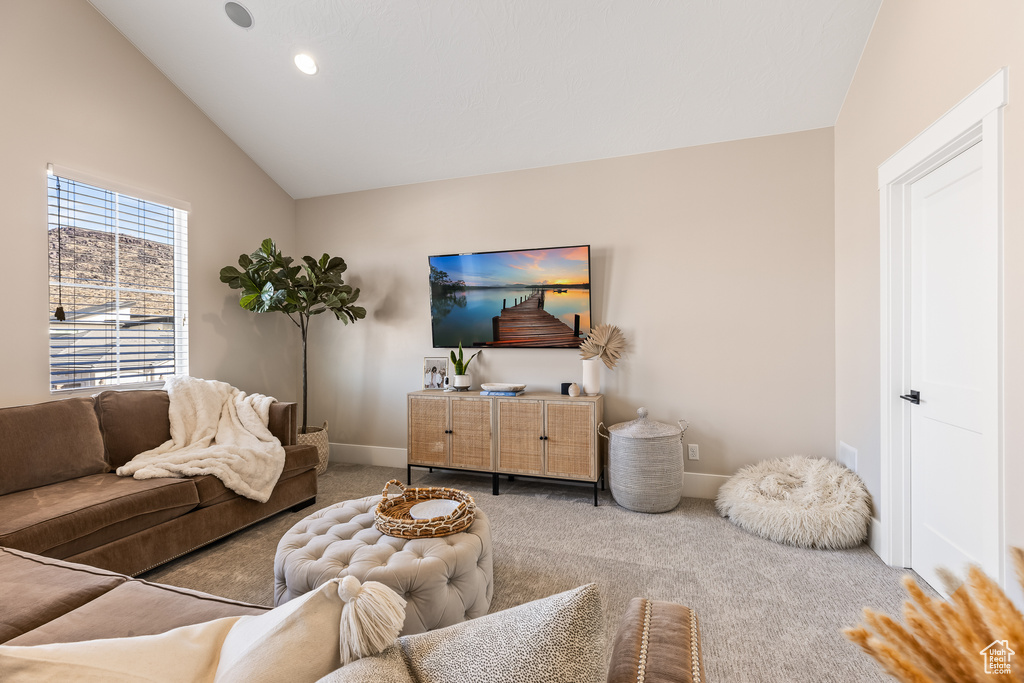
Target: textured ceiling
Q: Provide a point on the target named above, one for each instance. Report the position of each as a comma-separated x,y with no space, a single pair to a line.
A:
417,90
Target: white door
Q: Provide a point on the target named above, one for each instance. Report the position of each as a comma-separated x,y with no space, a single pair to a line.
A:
954,367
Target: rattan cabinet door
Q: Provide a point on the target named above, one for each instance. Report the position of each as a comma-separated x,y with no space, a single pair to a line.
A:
520,428
570,444
471,433
428,426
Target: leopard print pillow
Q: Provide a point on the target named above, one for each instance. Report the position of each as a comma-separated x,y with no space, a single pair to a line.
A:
555,640
387,667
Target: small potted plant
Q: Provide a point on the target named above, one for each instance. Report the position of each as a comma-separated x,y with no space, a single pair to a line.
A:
461,380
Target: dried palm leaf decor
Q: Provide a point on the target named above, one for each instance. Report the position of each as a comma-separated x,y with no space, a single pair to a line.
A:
605,342
946,641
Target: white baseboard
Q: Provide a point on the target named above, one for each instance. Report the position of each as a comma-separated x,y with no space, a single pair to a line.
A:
696,485
875,537
355,454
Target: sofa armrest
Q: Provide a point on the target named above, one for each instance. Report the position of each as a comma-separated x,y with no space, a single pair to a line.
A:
657,642
284,422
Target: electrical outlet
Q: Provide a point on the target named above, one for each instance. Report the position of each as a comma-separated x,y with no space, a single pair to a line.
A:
693,451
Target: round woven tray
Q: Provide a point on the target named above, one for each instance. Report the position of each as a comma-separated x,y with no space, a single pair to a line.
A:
391,516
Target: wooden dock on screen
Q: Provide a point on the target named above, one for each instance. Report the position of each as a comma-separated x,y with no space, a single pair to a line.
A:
526,323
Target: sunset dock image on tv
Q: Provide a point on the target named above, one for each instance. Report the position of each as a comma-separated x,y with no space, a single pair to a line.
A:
538,298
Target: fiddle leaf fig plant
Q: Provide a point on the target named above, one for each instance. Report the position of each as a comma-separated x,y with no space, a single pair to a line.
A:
460,366
269,282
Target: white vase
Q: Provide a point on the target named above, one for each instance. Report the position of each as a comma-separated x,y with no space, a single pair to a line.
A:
592,376
461,382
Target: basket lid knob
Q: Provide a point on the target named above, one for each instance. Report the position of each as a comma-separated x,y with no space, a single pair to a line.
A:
642,428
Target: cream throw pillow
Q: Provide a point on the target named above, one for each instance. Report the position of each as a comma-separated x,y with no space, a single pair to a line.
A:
189,653
302,640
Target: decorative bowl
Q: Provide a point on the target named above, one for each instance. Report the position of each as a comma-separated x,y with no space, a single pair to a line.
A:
493,386
439,507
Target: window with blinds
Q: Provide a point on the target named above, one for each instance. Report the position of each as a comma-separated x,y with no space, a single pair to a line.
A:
118,287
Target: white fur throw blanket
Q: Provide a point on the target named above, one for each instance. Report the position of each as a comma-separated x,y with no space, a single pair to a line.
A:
215,429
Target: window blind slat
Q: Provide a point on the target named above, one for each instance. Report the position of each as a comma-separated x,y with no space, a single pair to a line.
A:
118,268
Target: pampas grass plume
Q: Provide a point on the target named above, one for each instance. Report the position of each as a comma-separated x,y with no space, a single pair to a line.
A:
942,641
887,627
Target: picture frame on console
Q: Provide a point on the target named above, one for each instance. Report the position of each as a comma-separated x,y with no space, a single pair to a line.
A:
434,372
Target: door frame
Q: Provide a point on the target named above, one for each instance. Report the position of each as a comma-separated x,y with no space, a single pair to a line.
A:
977,119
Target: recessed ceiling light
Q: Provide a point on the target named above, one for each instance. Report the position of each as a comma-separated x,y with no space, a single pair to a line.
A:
238,14
306,64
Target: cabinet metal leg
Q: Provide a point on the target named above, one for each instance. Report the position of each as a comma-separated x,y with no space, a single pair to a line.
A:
511,477
430,469
408,475
494,484
602,481
595,494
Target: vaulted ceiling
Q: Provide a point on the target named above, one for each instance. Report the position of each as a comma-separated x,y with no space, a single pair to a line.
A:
419,90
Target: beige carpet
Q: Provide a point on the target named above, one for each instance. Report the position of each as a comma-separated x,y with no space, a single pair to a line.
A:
768,612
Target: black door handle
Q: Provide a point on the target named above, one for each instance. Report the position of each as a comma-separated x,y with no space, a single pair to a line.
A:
915,397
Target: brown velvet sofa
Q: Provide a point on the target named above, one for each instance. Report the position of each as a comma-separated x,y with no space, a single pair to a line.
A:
50,601
60,497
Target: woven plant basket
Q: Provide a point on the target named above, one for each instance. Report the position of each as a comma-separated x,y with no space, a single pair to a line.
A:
391,516
317,436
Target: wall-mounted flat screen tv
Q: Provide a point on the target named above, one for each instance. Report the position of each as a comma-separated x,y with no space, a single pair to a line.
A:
536,298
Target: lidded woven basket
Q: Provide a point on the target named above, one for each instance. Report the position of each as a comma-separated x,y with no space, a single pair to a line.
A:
645,463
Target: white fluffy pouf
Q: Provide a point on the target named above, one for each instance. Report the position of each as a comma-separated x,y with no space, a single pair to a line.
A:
801,501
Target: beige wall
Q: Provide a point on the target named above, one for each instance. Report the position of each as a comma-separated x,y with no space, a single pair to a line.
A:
716,262
77,94
921,59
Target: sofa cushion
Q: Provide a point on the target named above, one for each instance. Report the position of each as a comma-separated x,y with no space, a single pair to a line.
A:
69,517
132,422
135,608
297,459
152,547
37,590
49,442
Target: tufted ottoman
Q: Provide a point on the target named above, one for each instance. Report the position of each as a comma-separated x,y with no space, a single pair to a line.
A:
444,580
